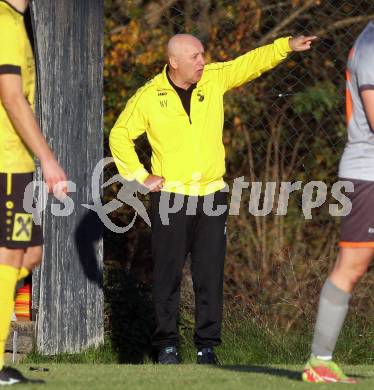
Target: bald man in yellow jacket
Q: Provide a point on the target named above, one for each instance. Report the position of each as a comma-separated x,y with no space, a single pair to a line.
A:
181,111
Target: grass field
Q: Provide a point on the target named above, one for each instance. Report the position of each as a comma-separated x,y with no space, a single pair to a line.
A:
188,376
252,357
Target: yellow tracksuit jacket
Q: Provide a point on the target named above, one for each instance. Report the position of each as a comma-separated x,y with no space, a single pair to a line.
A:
187,151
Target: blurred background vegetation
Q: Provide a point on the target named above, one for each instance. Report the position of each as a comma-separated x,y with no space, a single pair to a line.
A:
288,125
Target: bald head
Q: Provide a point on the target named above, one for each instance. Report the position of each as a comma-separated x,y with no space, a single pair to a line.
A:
186,59
180,42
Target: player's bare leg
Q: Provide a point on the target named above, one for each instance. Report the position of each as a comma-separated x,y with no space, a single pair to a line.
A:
351,265
11,257
32,257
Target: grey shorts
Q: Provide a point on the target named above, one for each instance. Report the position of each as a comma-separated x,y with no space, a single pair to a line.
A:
357,228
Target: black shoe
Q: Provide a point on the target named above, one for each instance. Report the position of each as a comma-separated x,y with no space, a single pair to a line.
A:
168,355
11,376
207,356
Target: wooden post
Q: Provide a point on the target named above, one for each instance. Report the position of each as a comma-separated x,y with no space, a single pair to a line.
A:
67,288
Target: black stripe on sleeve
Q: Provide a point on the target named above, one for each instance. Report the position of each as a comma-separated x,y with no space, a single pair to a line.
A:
10,69
366,87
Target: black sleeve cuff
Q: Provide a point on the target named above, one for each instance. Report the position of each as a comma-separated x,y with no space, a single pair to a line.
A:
10,69
366,87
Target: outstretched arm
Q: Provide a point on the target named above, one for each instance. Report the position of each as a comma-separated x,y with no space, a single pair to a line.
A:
254,63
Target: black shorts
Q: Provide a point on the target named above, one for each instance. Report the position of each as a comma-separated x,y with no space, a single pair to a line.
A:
357,228
17,228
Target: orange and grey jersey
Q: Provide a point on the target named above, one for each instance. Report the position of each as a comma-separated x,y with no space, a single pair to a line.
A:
358,158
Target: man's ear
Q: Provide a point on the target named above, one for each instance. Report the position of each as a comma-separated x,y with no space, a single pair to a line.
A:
173,62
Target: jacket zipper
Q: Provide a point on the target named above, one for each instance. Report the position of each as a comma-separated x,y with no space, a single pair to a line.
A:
188,116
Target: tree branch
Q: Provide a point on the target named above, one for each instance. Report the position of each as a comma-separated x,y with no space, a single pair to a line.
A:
156,10
343,23
273,33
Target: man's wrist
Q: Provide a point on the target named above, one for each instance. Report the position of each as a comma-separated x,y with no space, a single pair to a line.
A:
141,175
290,43
47,158
283,45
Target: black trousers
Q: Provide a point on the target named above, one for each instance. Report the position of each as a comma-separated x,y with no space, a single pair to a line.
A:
204,236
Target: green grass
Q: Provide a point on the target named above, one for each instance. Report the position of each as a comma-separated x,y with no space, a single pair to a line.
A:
186,376
253,356
244,342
